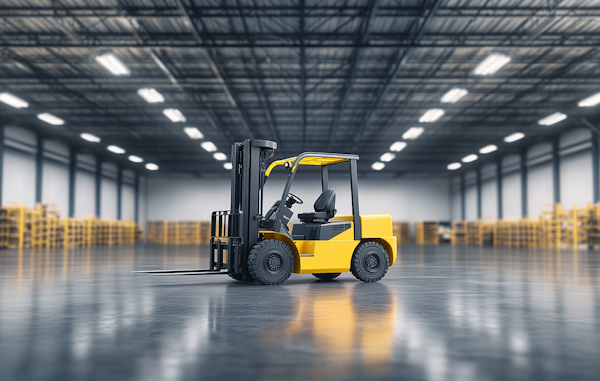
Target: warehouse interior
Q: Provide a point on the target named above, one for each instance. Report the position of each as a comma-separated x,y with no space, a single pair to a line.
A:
477,129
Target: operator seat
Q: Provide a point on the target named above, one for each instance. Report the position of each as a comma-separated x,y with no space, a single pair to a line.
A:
324,209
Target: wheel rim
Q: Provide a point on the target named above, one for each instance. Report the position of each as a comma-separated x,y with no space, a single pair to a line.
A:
273,263
372,262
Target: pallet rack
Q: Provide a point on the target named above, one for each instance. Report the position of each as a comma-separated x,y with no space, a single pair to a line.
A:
401,231
427,233
178,232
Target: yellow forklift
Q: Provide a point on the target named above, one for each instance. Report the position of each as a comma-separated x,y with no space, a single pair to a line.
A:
251,246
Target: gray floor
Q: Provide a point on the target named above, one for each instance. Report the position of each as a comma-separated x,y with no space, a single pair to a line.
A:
441,313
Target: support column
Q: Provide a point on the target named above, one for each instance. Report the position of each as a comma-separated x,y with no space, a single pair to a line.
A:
463,198
524,177
556,170
72,172
499,187
479,209
596,166
98,185
119,191
136,202
39,168
1,158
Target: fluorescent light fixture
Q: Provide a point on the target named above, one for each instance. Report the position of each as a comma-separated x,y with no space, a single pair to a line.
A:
552,119
90,137
220,156
398,146
174,114
431,115
514,137
488,149
209,146
227,166
454,166
387,157
113,64
151,95
49,118
378,166
151,167
469,158
115,149
587,102
13,101
454,95
135,159
492,64
193,133
413,133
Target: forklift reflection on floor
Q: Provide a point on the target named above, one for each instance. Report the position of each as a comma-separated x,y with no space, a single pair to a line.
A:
252,246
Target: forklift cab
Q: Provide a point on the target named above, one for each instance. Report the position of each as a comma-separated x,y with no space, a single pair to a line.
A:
319,224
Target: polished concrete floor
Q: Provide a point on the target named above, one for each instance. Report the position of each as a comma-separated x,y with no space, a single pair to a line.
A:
441,313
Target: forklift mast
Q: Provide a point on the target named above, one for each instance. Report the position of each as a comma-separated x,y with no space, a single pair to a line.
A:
234,232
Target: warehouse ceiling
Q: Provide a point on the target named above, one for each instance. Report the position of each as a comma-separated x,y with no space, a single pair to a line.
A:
340,76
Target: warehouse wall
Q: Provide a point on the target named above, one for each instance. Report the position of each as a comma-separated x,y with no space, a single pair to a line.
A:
404,199
19,178
575,181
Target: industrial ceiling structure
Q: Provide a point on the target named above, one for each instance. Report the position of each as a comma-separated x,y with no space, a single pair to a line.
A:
349,76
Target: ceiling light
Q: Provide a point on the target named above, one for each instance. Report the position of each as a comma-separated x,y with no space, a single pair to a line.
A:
413,133
227,166
151,95
492,64
514,137
387,157
193,133
209,146
454,166
454,95
13,101
552,119
174,114
113,64
469,158
90,138
49,118
378,166
587,102
135,159
431,115
220,156
115,149
488,149
151,167
398,146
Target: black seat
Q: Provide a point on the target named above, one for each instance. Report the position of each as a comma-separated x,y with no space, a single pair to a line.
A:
324,209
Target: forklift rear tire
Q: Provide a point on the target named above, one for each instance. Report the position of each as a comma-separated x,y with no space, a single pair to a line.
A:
271,262
327,276
370,262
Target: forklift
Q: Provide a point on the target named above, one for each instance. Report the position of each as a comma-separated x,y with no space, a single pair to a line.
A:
248,245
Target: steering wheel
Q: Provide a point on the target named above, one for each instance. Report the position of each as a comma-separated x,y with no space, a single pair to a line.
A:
296,199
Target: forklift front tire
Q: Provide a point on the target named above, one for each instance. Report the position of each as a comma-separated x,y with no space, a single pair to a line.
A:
370,262
327,276
271,262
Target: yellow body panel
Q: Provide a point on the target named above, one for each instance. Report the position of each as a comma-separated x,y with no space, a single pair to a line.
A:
334,255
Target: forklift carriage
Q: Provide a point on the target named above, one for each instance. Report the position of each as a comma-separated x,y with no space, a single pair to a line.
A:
250,246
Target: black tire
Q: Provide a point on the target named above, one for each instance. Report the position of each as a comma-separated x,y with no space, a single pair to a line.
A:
370,262
271,262
327,276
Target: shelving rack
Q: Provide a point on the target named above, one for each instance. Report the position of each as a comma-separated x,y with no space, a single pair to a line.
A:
459,233
401,231
178,232
427,233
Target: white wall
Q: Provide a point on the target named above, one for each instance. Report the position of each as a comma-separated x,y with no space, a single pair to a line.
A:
55,185
18,185
576,187
85,193
404,199
540,191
